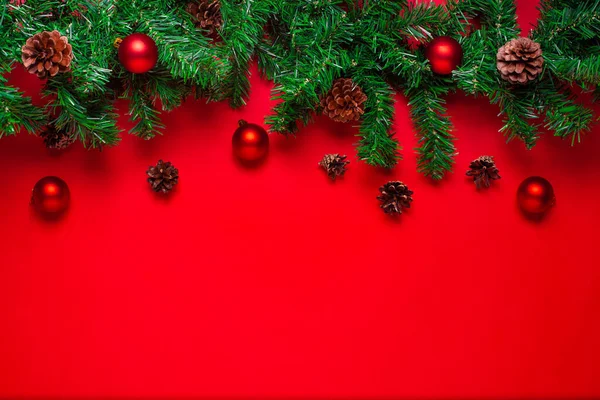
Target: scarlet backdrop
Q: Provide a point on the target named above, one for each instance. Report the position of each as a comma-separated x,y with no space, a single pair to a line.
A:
276,282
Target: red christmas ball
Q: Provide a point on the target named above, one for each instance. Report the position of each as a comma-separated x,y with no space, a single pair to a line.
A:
138,53
444,54
535,195
50,196
250,142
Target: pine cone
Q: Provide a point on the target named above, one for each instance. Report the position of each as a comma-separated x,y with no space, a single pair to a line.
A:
482,170
334,164
207,15
520,60
56,138
394,197
47,53
344,102
163,177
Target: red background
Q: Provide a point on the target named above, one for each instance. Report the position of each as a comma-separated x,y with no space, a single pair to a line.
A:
277,282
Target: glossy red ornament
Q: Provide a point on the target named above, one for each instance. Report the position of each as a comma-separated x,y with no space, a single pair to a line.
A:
444,54
250,142
138,53
535,195
50,196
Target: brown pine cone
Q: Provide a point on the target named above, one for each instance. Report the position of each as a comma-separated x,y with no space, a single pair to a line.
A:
520,60
163,177
56,138
394,197
47,53
334,164
207,15
344,102
482,170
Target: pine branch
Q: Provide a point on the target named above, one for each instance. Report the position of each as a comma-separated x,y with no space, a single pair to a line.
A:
92,120
377,145
478,74
436,148
308,44
182,48
141,108
17,111
516,106
242,32
582,70
563,115
316,56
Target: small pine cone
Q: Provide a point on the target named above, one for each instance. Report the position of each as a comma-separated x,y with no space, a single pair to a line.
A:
334,164
395,196
56,138
520,60
482,170
344,102
163,177
47,53
207,15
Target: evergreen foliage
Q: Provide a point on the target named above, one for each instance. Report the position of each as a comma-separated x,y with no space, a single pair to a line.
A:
303,46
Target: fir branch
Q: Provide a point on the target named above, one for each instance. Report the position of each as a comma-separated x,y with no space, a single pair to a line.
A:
581,70
309,44
299,99
517,107
436,148
498,17
478,73
242,32
182,48
142,107
426,20
568,22
93,121
16,111
377,145
563,115
316,56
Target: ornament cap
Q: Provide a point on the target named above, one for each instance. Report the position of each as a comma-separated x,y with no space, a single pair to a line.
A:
242,122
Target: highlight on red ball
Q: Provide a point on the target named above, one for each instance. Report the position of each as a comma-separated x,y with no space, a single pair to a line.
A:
138,53
250,143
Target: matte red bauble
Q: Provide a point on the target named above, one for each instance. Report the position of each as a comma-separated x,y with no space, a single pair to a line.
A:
535,195
50,196
444,54
250,142
138,53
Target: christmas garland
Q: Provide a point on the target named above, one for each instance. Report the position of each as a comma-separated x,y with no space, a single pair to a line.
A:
336,57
